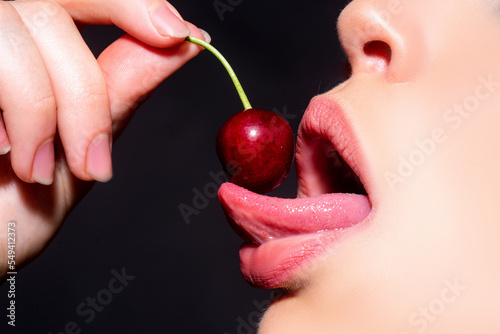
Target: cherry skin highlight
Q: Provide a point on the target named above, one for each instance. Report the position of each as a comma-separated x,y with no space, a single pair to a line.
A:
256,148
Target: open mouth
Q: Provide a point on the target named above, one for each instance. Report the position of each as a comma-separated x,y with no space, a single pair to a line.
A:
281,236
331,170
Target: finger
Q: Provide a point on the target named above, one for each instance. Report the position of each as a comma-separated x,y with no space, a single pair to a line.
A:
154,22
83,114
4,139
27,101
133,70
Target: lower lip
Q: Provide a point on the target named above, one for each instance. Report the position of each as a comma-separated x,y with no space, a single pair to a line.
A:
275,263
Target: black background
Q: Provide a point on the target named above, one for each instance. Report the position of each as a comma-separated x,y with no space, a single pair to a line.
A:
187,277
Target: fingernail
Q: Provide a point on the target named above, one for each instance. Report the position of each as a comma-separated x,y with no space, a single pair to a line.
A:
43,165
4,149
207,37
99,165
4,145
167,23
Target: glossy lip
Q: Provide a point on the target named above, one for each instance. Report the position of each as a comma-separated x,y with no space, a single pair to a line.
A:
277,249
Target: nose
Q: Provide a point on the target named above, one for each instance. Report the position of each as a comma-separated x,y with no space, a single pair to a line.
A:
381,38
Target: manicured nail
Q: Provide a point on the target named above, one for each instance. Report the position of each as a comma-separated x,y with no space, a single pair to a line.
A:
167,23
207,37
43,165
99,165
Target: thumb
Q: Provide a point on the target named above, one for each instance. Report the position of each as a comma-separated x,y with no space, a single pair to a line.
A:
133,70
154,22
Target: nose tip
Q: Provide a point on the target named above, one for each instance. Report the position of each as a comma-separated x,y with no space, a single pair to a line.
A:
378,42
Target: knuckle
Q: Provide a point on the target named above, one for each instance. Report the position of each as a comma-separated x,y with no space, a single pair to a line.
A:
12,33
44,104
40,14
92,99
7,11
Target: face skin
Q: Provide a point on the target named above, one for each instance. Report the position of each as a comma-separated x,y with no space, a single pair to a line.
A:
423,107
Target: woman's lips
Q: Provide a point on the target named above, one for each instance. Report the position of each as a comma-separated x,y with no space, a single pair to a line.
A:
283,235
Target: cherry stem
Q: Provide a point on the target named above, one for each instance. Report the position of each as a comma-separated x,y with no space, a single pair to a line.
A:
237,84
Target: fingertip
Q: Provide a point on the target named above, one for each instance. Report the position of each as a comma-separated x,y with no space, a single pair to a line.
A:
4,145
4,149
199,33
206,36
98,161
43,164
4,139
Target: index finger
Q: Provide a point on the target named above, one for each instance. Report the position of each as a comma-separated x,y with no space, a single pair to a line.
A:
154,22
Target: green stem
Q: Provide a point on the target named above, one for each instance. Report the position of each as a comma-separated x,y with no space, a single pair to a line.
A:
241,92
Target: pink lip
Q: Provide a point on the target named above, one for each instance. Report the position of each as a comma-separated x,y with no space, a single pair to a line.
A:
283,235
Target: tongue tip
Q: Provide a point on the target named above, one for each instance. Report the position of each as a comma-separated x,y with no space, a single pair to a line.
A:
231,196
227,190
227,186
233,187
230,190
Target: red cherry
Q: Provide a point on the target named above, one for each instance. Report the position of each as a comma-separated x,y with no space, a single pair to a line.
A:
256,148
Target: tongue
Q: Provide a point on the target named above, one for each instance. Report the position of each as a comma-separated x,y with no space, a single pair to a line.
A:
259,218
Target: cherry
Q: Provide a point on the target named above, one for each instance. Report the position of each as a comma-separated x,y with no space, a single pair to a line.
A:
255,147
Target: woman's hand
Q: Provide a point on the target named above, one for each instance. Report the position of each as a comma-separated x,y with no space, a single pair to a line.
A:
49,80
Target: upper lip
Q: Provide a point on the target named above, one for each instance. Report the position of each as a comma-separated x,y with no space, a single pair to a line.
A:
325,125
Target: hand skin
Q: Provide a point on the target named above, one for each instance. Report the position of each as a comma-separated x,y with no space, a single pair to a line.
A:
427,260
50,80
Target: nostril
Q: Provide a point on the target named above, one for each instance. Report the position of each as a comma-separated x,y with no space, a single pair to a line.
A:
379,54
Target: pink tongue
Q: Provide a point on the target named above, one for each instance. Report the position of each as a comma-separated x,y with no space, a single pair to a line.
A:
263,218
